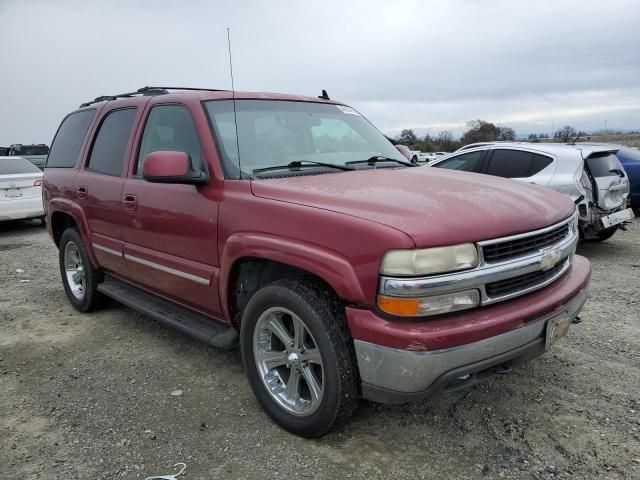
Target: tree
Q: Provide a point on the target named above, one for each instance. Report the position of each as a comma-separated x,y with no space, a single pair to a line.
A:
408,137
506,134
445,141
480,131
533,137
565,133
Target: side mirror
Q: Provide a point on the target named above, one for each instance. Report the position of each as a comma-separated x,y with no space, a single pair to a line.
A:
171,167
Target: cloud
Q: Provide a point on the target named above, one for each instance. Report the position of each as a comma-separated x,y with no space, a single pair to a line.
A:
403,63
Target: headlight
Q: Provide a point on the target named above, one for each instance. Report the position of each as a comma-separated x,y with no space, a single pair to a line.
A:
429,261
429,305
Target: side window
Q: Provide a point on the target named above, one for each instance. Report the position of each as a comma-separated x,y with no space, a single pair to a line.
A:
110,145
510,164
170,127
539,163
467,162
68,140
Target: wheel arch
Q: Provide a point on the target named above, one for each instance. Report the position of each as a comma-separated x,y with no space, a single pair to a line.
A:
251,261
65,214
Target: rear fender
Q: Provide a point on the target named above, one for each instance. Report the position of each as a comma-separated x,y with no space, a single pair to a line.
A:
72,209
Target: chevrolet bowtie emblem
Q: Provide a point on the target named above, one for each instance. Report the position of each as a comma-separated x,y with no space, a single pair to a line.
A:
550,259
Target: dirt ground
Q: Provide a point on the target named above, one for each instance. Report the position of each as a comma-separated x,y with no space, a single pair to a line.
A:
89,396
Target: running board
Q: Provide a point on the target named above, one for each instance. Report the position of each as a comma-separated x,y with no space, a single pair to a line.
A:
171,315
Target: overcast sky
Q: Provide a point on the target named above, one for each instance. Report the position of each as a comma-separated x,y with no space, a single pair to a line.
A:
531,65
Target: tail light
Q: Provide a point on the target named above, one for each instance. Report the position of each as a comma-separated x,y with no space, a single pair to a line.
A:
37,183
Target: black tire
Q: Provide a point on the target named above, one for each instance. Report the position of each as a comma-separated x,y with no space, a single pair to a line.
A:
91,298
605,234
414,159
324,318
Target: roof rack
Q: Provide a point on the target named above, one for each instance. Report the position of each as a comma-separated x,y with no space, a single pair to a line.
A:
145,91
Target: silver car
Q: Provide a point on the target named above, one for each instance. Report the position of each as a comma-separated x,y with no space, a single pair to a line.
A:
590,174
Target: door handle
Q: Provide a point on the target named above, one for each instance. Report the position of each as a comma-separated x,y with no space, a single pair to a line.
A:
130,202
82,192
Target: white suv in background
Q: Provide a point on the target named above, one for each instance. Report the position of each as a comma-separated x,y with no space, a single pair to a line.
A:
590,174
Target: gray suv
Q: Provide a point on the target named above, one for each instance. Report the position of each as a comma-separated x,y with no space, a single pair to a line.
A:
590,174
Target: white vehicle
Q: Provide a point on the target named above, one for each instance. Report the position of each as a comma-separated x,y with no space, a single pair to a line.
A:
590,174
418,156
20,190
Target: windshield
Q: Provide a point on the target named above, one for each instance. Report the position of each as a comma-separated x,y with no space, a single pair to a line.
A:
275,133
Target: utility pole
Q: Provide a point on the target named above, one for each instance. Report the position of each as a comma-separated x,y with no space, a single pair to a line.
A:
605,125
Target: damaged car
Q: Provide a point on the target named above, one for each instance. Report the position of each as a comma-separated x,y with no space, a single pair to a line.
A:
591,175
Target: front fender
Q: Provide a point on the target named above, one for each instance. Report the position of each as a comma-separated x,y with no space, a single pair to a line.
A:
68,207
330,266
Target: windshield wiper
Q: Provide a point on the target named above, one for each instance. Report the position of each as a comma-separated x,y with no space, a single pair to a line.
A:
299,164
381,158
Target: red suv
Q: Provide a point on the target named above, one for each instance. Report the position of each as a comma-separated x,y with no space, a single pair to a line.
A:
291,226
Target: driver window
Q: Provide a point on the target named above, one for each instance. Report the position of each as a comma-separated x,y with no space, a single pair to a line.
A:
170,127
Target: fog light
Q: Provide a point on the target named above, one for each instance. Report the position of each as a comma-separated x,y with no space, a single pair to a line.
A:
431,305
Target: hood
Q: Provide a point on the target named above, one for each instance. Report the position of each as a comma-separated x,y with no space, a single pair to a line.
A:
433,206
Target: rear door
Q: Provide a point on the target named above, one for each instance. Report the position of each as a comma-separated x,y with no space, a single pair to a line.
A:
520,165
612,184
99,185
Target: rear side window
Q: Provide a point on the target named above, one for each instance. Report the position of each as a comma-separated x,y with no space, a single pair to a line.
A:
516,163
15,166
170,127
468,162
68,141
602,164
539,163
109,148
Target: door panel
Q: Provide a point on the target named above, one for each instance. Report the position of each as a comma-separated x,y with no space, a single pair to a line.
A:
98,186
171,241
100,198
171,230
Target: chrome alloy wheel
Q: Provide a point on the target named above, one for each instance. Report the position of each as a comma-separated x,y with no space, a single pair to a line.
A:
74,270
288,361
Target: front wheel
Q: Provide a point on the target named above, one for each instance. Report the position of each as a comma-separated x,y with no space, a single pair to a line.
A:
299,357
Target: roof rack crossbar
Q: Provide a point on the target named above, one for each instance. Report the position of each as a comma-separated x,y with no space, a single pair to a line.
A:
146,91
195,89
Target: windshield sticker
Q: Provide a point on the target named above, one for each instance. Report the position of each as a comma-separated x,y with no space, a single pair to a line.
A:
347,110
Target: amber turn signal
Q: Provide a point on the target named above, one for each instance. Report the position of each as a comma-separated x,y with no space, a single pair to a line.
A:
403,307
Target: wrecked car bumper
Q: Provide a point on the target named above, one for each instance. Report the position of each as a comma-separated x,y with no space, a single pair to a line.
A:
408,361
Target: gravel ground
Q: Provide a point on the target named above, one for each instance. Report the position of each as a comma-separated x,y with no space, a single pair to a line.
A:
90,396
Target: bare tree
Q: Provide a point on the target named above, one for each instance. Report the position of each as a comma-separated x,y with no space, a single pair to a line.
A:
565,133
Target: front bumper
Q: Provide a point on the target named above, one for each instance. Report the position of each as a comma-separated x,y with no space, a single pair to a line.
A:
512,336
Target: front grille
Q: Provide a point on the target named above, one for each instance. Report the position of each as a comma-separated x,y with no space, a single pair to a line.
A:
503,251
523,282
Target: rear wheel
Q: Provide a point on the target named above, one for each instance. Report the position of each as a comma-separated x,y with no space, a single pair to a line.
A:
299,357
79,277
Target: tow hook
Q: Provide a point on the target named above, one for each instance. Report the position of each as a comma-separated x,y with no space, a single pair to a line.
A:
501,370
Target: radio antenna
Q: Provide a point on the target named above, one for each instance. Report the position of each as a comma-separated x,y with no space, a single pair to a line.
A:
233,97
